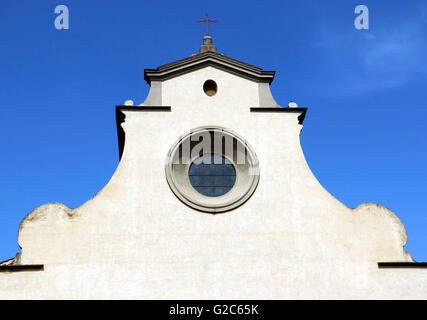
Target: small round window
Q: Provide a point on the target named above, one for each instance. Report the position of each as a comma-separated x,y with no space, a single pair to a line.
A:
210,88
212,175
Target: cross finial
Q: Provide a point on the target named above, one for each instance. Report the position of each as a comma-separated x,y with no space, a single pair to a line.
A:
207,21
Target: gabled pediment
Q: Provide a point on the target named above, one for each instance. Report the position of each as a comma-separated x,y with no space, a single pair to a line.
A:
202,60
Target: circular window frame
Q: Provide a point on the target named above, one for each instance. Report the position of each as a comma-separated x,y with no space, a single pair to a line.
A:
247,174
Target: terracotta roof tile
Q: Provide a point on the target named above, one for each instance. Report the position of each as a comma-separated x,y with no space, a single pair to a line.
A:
196,55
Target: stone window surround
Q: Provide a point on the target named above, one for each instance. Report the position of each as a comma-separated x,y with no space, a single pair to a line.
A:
247,176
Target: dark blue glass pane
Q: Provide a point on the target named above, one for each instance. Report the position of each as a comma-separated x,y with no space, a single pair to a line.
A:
229,169
204,181
229,181
226,190
194,180
204,169
214,179
204,191
194,168
216,169
217,192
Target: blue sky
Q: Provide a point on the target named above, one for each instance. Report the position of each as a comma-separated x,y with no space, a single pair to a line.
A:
366,90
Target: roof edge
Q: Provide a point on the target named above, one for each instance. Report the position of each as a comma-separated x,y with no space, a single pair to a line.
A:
198,61
301,110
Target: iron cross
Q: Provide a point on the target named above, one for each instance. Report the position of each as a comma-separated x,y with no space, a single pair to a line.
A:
207,20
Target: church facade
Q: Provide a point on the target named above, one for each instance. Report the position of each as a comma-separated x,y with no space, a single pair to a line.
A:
212,199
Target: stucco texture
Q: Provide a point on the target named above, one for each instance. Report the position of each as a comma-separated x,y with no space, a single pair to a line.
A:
136,240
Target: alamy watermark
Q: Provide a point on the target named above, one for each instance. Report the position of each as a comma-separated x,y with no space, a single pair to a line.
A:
205,143
362,20
63,20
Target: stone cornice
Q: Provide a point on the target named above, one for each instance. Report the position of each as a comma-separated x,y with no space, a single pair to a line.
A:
198,61
301,117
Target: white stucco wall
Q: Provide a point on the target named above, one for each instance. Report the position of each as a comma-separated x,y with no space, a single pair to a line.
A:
135,239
